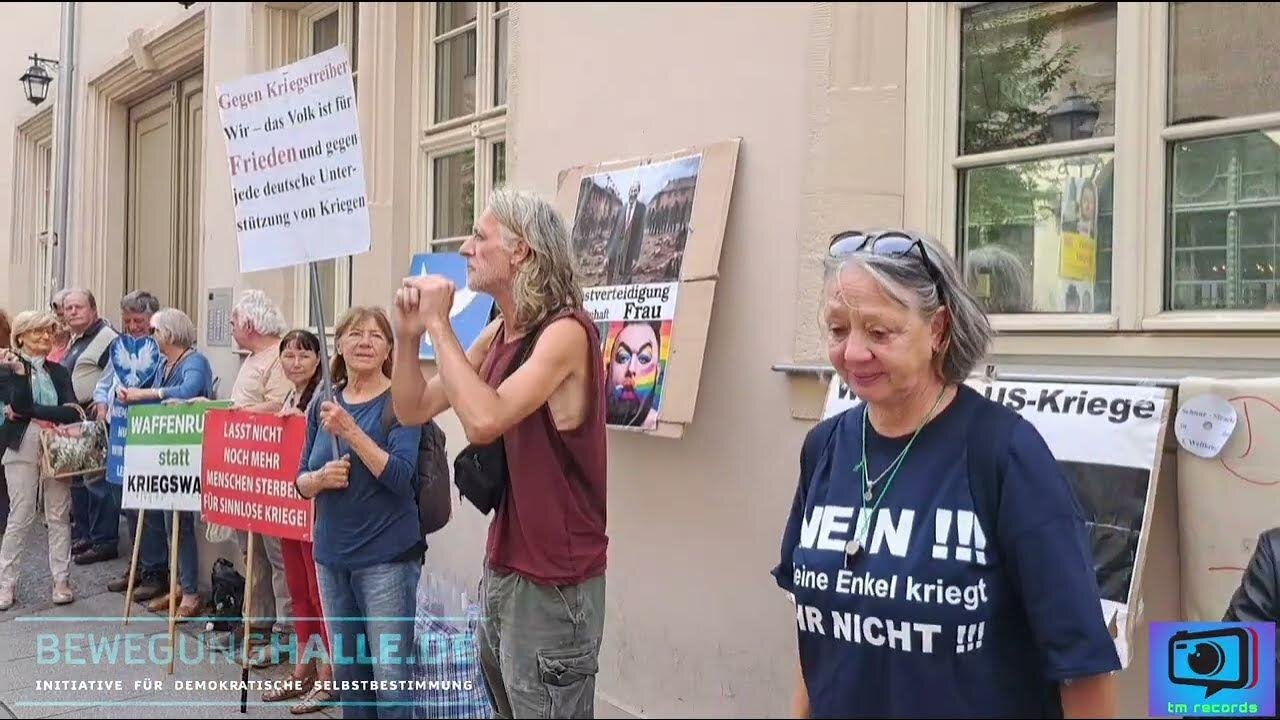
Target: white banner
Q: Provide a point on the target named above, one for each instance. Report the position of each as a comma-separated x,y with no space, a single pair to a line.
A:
1099,424
839,398
1108,441
297,172
162,478
655,301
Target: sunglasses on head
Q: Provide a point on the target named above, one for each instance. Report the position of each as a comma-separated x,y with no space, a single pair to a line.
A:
890,243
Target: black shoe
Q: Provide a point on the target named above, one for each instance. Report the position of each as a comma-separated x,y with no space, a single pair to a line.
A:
96,555
149,589
121,583
80,546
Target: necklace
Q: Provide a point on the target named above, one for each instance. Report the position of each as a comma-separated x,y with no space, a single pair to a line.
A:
854,547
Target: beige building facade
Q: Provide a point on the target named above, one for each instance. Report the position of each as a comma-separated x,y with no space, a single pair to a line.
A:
850,115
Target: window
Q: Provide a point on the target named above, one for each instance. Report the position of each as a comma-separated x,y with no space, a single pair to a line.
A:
1033,231
323,26
1223,223
464,109
1115,166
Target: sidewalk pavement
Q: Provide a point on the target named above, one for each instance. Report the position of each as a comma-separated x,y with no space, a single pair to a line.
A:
29,661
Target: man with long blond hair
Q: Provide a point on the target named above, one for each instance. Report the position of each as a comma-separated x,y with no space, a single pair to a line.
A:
547,542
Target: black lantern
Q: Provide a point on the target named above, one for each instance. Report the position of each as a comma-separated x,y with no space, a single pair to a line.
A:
36,80
1074,119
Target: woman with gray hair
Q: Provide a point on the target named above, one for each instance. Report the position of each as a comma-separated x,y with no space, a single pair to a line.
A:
933,539
186,375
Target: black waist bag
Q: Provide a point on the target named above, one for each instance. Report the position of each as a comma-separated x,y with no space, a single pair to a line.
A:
480,471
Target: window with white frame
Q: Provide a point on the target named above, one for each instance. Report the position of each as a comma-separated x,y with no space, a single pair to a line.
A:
1074,119
322,26
1035,223
463,141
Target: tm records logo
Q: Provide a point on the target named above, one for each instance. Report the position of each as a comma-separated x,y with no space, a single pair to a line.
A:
1212,669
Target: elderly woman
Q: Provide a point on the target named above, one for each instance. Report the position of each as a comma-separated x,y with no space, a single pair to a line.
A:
901,611
368,544
38,394
186,375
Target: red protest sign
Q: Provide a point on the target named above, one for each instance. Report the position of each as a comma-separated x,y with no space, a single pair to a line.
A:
250,462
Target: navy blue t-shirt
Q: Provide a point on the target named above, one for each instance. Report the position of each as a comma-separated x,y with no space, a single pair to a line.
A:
943,613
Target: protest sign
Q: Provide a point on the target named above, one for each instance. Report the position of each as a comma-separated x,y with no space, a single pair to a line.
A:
297,172
250,463
630,232
1227,499
1108,441
839,398
163,456
135,362
470,312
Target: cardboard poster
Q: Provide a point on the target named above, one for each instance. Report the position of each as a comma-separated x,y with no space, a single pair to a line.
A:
250,463
163,456
297,169
471,310
1226,501
1107,440
646,237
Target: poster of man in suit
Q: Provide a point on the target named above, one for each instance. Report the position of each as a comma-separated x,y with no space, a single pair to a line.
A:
631,225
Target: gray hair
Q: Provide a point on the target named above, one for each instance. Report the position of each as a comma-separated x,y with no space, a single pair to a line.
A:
173,327
140,302
88,297
999,279
59,296
905,279
546,282
257,309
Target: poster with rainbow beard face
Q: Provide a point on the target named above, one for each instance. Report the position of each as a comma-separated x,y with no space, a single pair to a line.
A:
635,363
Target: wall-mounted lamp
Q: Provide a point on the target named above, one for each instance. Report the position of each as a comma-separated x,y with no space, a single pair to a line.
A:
37,78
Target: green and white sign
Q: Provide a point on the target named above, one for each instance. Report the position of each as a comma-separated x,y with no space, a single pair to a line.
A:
163,456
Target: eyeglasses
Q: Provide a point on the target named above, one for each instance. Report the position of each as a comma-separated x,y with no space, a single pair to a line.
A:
889,243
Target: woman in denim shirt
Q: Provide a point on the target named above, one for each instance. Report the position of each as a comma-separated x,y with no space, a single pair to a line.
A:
186,375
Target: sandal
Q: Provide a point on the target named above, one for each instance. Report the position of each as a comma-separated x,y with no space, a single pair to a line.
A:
318,699
292,688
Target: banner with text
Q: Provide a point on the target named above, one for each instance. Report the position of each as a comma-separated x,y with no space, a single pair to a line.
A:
163,456
297,172
1107,440
251,460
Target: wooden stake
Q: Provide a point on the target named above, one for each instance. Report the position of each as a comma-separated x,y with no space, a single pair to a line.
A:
133,567
246,614
173,588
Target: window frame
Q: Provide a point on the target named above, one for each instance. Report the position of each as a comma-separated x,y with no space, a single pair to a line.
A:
479,131
1140,145
307,17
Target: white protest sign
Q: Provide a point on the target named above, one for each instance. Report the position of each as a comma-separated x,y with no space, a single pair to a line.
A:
1204,425
839,398
164,456
1107,440
297,172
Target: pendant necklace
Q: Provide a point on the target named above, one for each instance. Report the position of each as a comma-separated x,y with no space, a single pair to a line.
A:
855,546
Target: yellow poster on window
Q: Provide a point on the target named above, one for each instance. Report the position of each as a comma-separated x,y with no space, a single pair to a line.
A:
1078,259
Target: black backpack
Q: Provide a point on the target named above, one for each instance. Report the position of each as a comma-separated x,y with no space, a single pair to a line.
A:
227,596
435,505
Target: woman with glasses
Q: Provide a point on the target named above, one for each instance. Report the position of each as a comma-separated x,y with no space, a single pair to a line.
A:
938,559
36,393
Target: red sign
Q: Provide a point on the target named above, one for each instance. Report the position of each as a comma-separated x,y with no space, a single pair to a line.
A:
250,462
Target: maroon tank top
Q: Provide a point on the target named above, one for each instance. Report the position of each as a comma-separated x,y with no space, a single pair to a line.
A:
550,526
